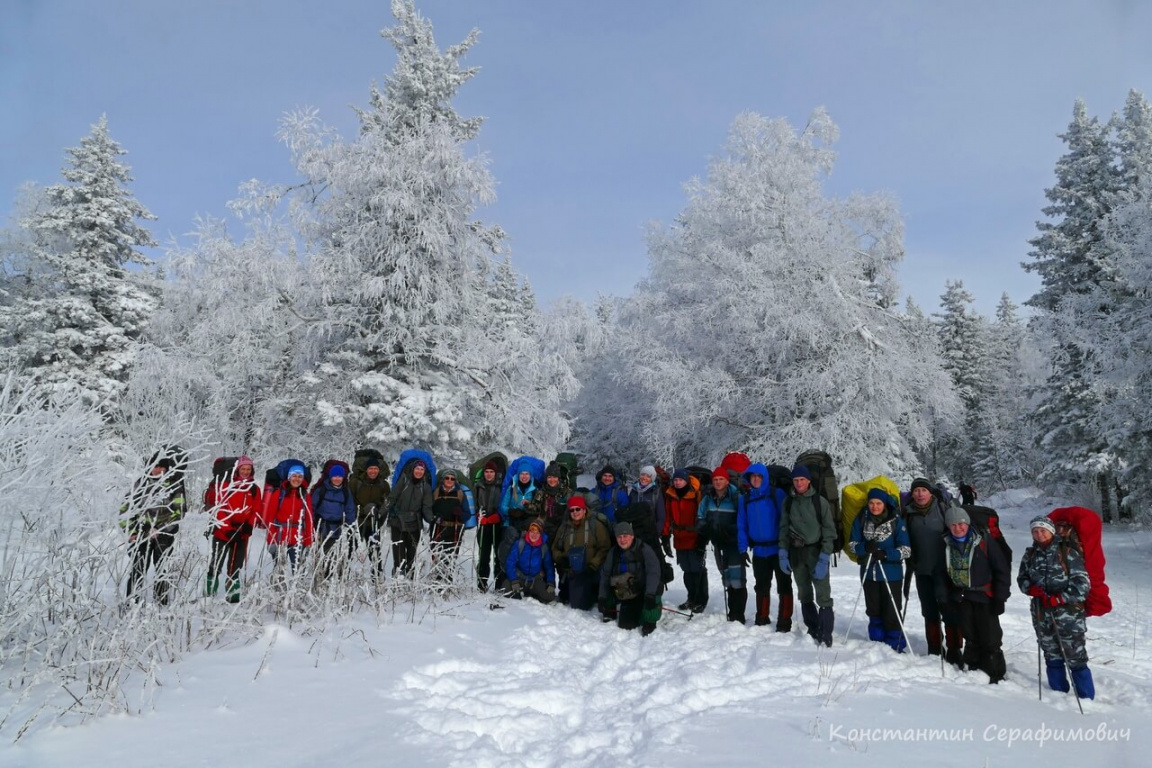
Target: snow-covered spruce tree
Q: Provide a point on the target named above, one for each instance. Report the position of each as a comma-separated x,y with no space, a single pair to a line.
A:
943,423
1002,438
962,335
763,324
82,308
396,248
1070,259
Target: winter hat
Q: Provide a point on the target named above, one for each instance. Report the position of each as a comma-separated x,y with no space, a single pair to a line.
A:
372,462
680,474
577,502
553,470
536,523
244,461
801,470
1042,522
295,469
921,482
720,472
491,465
649,470
419,463
882,495
607,469
956,515
336,471
624,529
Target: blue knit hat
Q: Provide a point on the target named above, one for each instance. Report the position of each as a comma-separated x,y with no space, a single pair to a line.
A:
801,470
882,495
336,471
680,474
296,469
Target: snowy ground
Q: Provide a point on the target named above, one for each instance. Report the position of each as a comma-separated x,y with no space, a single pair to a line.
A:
548,686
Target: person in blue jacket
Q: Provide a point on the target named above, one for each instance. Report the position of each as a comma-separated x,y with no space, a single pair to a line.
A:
881,543
758,528
529,566
716,522
610,492
333,509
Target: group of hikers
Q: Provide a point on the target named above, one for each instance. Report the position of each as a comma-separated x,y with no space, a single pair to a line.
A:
610,546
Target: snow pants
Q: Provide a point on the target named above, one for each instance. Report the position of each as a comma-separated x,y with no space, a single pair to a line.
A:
147,551
803,561
982,639
404,545
488,540
1068,631
695,570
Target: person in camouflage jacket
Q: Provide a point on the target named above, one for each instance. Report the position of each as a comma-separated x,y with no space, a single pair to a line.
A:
1052,573
151,516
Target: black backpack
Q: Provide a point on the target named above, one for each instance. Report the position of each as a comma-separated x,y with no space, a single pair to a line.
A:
360,459
987,521
780,477
819,465
222,468
643,520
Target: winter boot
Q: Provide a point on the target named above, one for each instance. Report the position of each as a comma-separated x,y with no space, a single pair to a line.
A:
737,600
233,590
763,610
685,606
211,586
1058,677
876,630
935,637
954,642
811,619
1082,679
895,638
784,616
827,621
996,667
647,629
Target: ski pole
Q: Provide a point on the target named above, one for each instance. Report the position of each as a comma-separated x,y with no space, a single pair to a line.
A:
892,597
908,576
852,618
678,613
1067,666
1039,683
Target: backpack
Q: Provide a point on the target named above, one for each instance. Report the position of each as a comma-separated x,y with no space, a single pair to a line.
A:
410,456
643,520
1080,528
530,464
703,474
736,463
819,465
987,521
361,457
854,500
779,477
569,464
222,468
275,477
476,468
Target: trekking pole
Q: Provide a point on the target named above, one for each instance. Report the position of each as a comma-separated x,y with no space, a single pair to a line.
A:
678,613
1039,683
908,576
852,618
723,586
1067,666
892,597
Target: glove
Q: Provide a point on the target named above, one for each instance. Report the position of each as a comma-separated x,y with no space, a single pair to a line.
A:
785,566
515,587
490,519
1052,601
871,548
550,592
821,570
747,560
650,602
246,530
1037,591
997,607
602,606
666,545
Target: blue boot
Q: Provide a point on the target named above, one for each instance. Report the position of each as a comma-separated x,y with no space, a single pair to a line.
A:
1082,679
876,630
1057,677
895,638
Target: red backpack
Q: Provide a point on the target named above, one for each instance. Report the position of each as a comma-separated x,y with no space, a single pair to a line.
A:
1080,528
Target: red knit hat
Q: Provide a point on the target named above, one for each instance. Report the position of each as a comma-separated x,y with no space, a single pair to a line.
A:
720,472
577,502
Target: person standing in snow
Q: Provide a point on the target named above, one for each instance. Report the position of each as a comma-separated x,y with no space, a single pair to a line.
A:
334,510
370,491
578,551
630,583
409,508
967,494
491,526
975,582
288,515
518,507
880,542
152,518
807,540
924,518
716,521
1054,576
529,566
450,512
758,528
234,507
681,503
647,490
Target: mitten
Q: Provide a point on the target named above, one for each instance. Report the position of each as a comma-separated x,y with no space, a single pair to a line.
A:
821,569
785,566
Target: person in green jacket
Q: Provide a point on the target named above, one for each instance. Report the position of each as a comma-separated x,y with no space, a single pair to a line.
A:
807,539
151,516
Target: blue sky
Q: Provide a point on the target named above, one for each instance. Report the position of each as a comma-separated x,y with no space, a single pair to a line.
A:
597,112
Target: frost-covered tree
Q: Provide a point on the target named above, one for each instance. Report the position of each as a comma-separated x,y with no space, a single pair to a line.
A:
764,322
82,308
1071,260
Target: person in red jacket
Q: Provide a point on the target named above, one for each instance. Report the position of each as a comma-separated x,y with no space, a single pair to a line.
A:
234,507
288,515
681,500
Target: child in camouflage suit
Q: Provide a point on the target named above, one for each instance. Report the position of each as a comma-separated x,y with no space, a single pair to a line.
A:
1053,575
